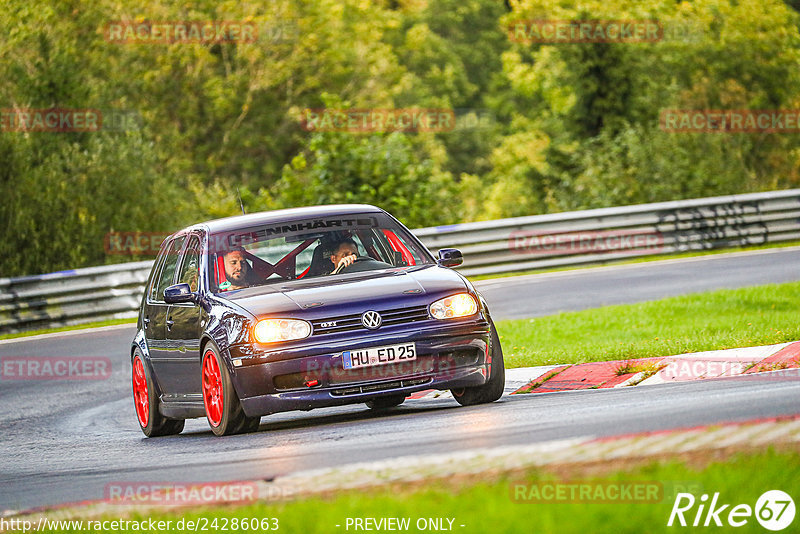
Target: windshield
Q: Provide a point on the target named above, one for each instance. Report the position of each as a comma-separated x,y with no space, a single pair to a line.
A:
305,249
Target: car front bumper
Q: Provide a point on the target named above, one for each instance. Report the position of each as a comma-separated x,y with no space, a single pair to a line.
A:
311,375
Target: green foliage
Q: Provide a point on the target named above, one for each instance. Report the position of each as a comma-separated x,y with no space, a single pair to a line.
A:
599,104
383,170
570,126
60,204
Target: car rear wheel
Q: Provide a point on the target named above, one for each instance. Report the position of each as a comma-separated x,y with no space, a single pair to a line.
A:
493,388
384,403
223,409
145,401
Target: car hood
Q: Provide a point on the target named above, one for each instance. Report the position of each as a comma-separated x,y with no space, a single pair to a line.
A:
351,293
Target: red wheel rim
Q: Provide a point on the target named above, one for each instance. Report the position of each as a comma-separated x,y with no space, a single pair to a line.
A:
140,399
212,388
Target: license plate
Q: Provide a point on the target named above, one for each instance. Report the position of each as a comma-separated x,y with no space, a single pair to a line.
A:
353,359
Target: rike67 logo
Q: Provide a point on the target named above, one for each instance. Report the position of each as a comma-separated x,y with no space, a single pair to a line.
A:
774,510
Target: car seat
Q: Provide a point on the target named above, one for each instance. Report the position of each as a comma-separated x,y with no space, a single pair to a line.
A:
320,261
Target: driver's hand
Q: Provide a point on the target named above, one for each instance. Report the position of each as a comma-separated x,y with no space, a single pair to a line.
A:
344,262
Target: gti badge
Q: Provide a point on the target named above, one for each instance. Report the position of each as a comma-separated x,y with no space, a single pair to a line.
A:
371,319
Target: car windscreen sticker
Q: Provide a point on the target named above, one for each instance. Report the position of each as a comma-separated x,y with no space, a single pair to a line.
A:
356,223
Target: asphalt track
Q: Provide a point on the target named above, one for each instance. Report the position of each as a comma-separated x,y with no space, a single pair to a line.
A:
64,441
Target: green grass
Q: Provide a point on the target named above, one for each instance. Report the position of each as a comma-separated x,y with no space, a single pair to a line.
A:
68,328
760,315
643,259
489,505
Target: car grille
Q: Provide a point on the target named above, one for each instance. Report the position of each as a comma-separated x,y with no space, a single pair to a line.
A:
370,388
348,323
338,376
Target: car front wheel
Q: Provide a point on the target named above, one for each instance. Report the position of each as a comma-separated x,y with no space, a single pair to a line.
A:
223,409
493,388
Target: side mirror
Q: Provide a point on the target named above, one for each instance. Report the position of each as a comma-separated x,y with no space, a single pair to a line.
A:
179,293
450,257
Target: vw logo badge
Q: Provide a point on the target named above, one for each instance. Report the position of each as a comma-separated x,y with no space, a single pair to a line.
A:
371,319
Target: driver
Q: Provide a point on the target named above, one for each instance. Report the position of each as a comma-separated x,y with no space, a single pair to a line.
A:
237,270
344,253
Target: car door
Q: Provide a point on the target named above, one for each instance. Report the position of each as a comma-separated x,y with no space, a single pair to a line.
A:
162,356
153,313
183,326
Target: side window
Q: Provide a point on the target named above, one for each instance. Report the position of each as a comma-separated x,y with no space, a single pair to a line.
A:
158,265
190,269
168,269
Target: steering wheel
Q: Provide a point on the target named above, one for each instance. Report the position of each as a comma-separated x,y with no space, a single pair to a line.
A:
342,268
363,263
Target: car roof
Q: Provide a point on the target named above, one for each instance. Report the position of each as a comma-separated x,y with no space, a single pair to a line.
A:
277,216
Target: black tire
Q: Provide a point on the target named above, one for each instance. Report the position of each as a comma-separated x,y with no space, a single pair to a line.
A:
226,417
493,388
145,401
384,403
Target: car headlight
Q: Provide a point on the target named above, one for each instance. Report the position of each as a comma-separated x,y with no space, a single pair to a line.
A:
273,330
460,305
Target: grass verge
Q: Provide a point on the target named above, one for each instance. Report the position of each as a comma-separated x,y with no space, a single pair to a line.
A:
507,502
723,319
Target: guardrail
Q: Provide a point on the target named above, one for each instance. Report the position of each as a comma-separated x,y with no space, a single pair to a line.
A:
607,234
72,297
490,247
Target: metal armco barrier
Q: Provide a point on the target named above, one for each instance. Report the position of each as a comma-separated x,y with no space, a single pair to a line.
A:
607,234
490,247
72,297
